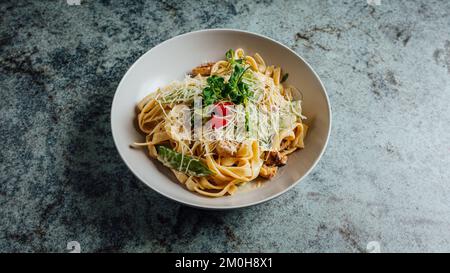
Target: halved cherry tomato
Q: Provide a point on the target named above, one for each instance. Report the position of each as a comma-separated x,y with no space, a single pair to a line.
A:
218,119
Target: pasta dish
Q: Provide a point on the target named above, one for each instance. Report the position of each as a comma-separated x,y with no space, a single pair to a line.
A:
225,124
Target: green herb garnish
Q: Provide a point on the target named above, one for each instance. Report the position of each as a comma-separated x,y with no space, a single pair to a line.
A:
235,90
230,57
213,92
183,163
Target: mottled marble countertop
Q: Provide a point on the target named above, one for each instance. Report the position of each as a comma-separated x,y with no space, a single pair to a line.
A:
385,176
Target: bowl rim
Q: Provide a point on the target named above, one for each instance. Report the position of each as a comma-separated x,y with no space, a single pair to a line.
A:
190,204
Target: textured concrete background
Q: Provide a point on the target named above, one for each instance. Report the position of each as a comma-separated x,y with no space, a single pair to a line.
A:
384,177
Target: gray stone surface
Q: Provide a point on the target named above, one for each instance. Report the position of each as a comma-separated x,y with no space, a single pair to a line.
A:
384,177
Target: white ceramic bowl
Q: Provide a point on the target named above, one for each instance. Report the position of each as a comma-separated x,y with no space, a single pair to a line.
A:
174,58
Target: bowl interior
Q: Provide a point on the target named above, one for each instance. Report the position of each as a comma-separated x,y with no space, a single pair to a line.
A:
172,60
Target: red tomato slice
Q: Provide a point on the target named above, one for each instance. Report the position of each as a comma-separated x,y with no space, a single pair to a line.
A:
218,119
